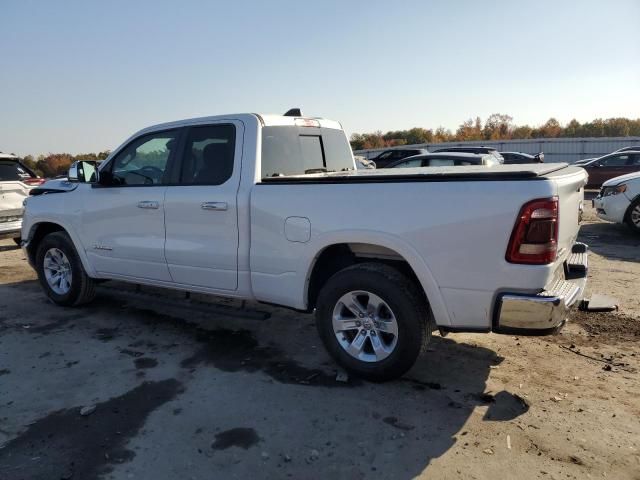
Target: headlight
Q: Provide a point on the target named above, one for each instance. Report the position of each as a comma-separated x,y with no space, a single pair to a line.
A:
607,191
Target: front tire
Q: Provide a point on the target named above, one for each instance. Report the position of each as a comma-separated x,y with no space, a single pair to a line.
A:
61,273
373,321
632,217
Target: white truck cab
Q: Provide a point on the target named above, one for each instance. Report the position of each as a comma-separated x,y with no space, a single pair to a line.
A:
271,208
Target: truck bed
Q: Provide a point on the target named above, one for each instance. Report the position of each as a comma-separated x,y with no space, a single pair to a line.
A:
431,174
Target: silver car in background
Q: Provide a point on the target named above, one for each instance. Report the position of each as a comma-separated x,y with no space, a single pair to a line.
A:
16,180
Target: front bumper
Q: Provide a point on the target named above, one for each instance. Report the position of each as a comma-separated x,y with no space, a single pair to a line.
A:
611,208
10,229
546,312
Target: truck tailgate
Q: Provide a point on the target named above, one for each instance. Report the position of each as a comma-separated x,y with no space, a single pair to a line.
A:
570,187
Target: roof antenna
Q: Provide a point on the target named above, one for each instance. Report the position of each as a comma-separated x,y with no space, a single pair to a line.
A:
293,112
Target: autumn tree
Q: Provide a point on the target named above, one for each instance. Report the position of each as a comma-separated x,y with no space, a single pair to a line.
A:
418,135
572,129
470,130
499,127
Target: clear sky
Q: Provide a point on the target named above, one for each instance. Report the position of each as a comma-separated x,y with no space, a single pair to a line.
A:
79,76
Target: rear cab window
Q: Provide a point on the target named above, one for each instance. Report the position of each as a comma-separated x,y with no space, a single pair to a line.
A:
293,150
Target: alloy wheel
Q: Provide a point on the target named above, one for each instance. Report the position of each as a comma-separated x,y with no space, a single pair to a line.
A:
365,326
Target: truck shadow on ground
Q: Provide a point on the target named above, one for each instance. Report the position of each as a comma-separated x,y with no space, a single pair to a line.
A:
611,240
245,393
7,248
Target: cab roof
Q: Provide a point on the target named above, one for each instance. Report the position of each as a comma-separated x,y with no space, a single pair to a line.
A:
265,120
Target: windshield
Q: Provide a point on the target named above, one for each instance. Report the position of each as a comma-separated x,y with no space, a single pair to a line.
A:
288,150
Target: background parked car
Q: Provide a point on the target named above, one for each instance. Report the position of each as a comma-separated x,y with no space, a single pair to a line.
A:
613,165
635,148
362,163
481,149
16,180
619,200
584,161
390,156
519,157
452,159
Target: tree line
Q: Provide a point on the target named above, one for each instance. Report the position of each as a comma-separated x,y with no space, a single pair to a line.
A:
55,164
497,127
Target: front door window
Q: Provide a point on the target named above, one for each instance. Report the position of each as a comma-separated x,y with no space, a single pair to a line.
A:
144,161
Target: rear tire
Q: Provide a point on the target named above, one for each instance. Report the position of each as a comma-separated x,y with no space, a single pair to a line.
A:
632,217
373,321
61,273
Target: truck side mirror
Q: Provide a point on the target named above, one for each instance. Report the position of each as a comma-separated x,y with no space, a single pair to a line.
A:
83,171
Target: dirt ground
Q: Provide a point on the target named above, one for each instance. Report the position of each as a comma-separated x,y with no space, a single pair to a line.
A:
150,385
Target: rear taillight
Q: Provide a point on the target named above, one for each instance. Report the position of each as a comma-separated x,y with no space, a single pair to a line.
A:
33,182
534,239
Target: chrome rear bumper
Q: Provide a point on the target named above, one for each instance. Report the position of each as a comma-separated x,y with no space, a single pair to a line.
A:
547,311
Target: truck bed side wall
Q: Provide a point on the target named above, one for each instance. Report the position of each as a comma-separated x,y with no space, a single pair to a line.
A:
453,234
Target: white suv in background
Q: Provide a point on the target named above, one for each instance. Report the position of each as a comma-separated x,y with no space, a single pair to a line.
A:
15,182
619,200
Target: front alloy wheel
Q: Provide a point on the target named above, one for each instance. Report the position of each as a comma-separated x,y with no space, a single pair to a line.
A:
57,271
60,271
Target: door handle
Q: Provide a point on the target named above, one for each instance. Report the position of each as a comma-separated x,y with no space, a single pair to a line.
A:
148,204
219,206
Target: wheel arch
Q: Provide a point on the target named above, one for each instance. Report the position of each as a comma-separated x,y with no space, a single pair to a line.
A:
340,251
632,204
41,229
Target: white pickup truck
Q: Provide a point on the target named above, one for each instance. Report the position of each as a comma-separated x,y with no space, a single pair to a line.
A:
271,208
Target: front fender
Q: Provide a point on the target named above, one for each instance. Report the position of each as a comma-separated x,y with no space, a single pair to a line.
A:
30,225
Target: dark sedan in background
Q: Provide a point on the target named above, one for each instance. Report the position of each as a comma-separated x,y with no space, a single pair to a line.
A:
386,158
609,166
519,157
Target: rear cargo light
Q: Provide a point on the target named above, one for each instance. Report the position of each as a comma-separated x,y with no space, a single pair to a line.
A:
307,122
34,181
534,239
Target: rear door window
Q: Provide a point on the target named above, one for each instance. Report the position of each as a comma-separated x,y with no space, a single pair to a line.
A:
208,155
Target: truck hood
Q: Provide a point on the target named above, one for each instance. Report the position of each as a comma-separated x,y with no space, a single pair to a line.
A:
621,178
55,185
